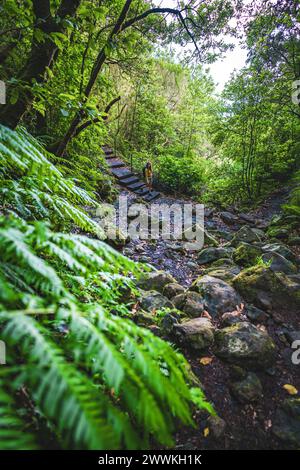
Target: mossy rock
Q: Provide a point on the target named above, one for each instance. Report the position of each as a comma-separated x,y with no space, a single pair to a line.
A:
245,345
282,290
246,254
287,422
156,280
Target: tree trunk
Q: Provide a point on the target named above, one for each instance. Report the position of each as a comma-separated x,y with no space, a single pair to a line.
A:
41,57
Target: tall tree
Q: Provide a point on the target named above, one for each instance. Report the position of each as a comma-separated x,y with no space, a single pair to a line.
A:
43,51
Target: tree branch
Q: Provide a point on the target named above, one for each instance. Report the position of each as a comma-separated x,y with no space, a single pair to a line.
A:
94,121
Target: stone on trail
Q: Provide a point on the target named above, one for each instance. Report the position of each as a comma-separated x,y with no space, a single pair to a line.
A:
225,273
249,389
156,280
153,300
286,424
190,303
208,255
248,235
197,333
218,296
246,254
256,314
217,426
229,218
245,345
173,289
281,250
279,263
274,288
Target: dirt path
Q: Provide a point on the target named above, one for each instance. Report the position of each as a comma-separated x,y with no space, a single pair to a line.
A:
248,426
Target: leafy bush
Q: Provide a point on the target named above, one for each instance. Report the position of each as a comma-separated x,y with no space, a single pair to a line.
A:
78,375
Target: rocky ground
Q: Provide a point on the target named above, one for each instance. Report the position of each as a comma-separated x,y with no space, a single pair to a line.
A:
233,308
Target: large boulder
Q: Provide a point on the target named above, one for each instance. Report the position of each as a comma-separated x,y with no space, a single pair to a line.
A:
279,263
154,300
208,255
197,333
190,303
219,297
286,424
263,287
156,280
246,254
245,345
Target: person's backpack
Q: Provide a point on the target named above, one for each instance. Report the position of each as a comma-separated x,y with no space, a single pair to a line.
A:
144,171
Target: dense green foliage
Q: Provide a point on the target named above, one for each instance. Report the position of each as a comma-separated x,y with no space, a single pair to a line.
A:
81,74
91,377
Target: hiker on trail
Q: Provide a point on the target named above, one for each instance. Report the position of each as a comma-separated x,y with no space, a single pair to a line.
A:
148,174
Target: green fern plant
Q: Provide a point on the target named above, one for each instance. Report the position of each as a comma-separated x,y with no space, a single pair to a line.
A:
33,188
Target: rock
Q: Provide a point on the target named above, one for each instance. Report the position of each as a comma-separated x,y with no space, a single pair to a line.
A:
217,426
168,322
226,235
281,250
279,263
208,239
245,345
292,336
248,235
247,218
225,273
246,254
249,389
228,218
172,289
286,424
230,318
190,303
208,255
153,300
219,297
197,333
143,318
264,288
256,314
192,265
156,280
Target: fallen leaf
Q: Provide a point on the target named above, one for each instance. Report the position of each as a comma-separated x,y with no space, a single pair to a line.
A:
206,432
205,314
205,360
290,389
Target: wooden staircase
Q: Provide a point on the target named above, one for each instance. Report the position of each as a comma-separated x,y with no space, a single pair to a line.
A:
126,178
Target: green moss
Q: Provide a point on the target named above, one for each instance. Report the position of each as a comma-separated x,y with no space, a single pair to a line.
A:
246,254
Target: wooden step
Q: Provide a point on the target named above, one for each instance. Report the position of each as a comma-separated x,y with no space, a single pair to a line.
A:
115,163
135,186
130,180
110,156
107,151
152,195
142,191
121,173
